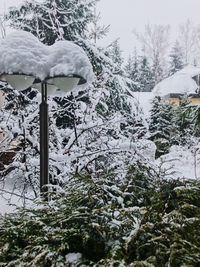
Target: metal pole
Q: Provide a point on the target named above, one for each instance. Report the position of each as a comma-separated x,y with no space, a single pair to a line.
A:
44,140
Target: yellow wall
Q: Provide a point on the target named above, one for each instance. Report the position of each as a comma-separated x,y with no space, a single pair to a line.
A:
176,101
195,101
172,101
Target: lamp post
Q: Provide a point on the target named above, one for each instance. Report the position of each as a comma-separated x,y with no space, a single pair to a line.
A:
58,83
26,62
44,139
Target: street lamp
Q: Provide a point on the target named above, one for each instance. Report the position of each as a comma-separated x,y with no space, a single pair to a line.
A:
26,62
65,84
57,83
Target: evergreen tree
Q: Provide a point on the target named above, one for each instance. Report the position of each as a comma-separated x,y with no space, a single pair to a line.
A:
129,67
131,70
88,224
161,128
53,20
96,30
132,67
115,53
157,73
196,121
176,59
145,75
183,119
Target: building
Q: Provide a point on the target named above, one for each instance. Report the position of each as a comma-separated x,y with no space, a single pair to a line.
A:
184,83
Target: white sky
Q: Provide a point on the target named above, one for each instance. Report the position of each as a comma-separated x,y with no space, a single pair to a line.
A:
124,15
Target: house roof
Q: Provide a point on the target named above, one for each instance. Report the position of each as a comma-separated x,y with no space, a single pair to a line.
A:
179,83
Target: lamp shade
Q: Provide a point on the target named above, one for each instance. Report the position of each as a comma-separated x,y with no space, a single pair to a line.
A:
58,84
18,81
51,89
65,84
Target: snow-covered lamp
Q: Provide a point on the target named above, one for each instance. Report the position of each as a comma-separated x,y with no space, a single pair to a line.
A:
26,62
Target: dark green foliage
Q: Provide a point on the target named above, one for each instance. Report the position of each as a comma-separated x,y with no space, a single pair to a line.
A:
131,70
138,222
53,20
91,217
145,76
196,121
161,126
139,70
186,119
131,67
173,125
169,233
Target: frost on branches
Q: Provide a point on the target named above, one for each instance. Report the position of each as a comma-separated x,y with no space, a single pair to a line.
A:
96,130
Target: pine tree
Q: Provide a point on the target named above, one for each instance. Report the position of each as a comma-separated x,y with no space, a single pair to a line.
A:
145,75
183,118
96,30
53,20
131,70
161,128
196,121
158,73
131,67
176,59
115,53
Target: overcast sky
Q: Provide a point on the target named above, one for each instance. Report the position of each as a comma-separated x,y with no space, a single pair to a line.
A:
124,15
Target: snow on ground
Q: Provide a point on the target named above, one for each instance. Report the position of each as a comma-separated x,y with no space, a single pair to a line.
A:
73,258
181,163
7,206
144,100
11,199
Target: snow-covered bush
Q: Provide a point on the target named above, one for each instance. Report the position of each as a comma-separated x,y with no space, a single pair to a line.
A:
95,129
96,222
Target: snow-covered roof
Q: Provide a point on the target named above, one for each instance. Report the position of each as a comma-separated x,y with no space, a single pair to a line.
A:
22,52
179,83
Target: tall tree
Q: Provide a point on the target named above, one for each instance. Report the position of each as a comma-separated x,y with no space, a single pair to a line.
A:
155,44
146,80
115,53
161,127
53,20
187,40
176,58
96,29
131,70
